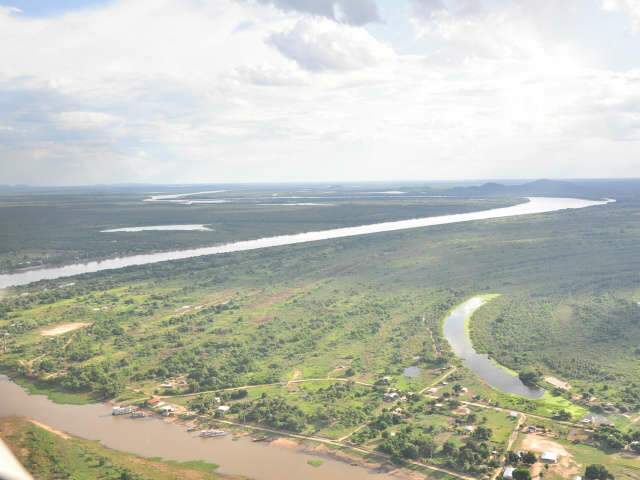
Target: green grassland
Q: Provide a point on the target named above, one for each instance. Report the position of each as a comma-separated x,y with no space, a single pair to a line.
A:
47,455
357,309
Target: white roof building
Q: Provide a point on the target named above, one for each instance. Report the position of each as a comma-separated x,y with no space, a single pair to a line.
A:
549,457
390,396
223,408
508,472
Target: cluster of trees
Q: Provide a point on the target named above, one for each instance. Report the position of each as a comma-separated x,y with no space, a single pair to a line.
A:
587,339
523,458
383,421
630,394
610,437
597,472
339,391
104,379
410,443
530,376
207,404
232,362
273,412
562,415
344,415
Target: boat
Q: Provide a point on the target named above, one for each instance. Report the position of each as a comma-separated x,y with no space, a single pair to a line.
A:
138,414
212,433
121,410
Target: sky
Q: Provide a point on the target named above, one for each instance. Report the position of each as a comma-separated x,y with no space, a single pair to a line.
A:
209,91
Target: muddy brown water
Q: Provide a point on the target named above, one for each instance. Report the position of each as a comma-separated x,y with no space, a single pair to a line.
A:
153,437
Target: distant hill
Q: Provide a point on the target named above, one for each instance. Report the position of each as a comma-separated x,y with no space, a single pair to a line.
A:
552,188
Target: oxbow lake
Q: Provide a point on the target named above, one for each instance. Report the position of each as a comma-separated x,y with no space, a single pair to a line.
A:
480,364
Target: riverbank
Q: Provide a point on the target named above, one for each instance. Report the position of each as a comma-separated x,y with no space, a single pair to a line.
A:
49,452
152,437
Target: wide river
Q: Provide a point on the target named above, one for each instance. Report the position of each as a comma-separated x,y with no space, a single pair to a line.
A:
533,205
151,437
458,337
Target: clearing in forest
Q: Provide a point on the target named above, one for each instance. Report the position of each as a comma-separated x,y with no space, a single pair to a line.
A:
64,328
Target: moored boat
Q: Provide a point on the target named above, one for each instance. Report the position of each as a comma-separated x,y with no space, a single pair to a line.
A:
212,433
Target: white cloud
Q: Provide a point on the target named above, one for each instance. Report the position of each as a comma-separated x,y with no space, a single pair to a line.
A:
269,75
222,90
628,7
86,120
355,12
516,29
319,44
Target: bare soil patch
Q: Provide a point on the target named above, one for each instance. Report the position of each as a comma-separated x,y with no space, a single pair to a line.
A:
64,328
556,382
461,410
566,466
286,443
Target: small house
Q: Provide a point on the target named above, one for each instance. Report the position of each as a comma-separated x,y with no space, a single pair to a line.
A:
166,410
223,409
391,396
549,457
508,473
